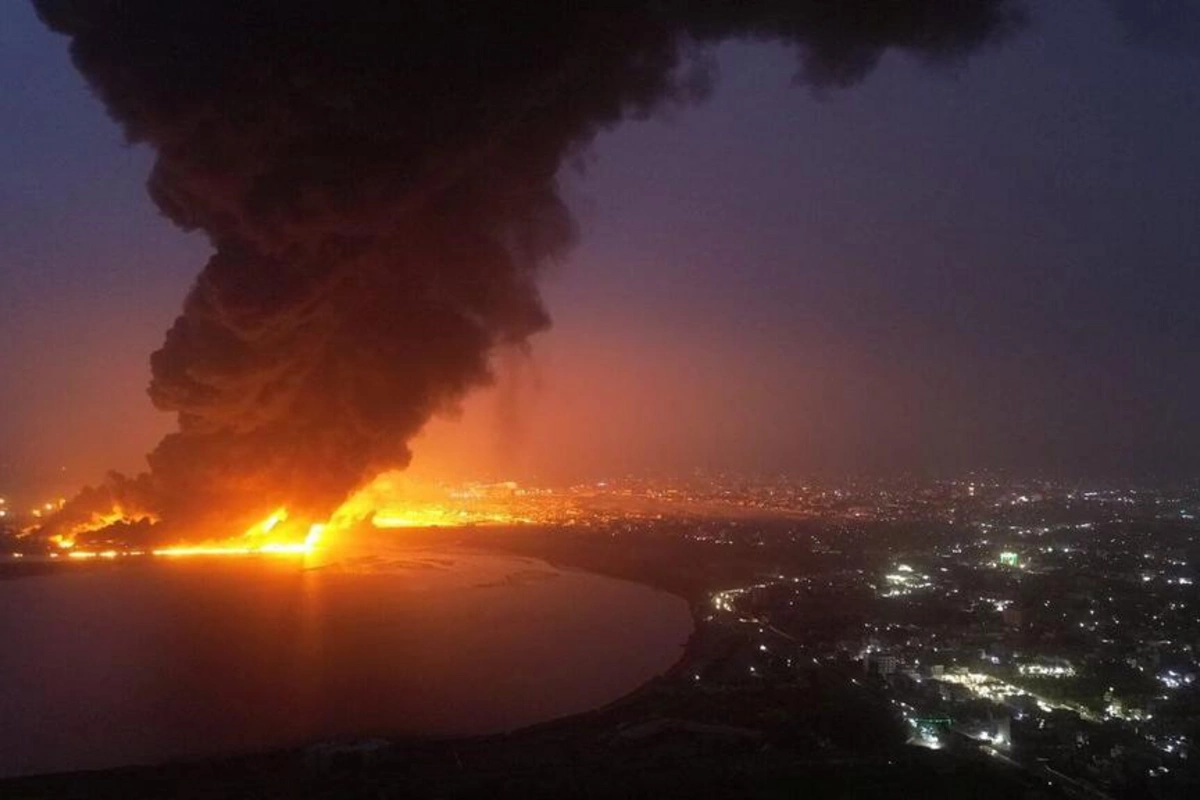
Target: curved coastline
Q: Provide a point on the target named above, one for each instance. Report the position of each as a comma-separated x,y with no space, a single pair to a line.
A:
403,738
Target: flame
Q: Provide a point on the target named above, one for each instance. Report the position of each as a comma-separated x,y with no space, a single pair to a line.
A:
97,554
66,540
394,500
391,501
271,522
266,537
257,540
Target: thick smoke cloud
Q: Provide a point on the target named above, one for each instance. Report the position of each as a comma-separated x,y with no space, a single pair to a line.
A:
378,181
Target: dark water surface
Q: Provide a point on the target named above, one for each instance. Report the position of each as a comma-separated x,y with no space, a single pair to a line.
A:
138,663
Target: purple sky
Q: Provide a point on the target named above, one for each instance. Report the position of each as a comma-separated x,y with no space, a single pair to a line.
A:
995,266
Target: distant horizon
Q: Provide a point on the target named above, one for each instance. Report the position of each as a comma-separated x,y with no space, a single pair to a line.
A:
22,499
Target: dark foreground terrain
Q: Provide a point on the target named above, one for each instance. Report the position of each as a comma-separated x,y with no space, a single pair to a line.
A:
808,739
512,771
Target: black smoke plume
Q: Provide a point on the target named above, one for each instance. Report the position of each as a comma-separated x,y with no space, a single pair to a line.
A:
378,182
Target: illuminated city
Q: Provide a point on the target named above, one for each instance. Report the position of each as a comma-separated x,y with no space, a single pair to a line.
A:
1045,625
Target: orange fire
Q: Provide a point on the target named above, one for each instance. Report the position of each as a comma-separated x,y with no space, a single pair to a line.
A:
271,536
98,521
391,500
268,537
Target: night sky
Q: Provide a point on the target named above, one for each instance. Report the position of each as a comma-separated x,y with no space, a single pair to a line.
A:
995,265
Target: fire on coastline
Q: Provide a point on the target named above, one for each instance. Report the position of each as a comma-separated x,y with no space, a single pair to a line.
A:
389,501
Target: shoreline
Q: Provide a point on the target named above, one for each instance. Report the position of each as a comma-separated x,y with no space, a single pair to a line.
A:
572,720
